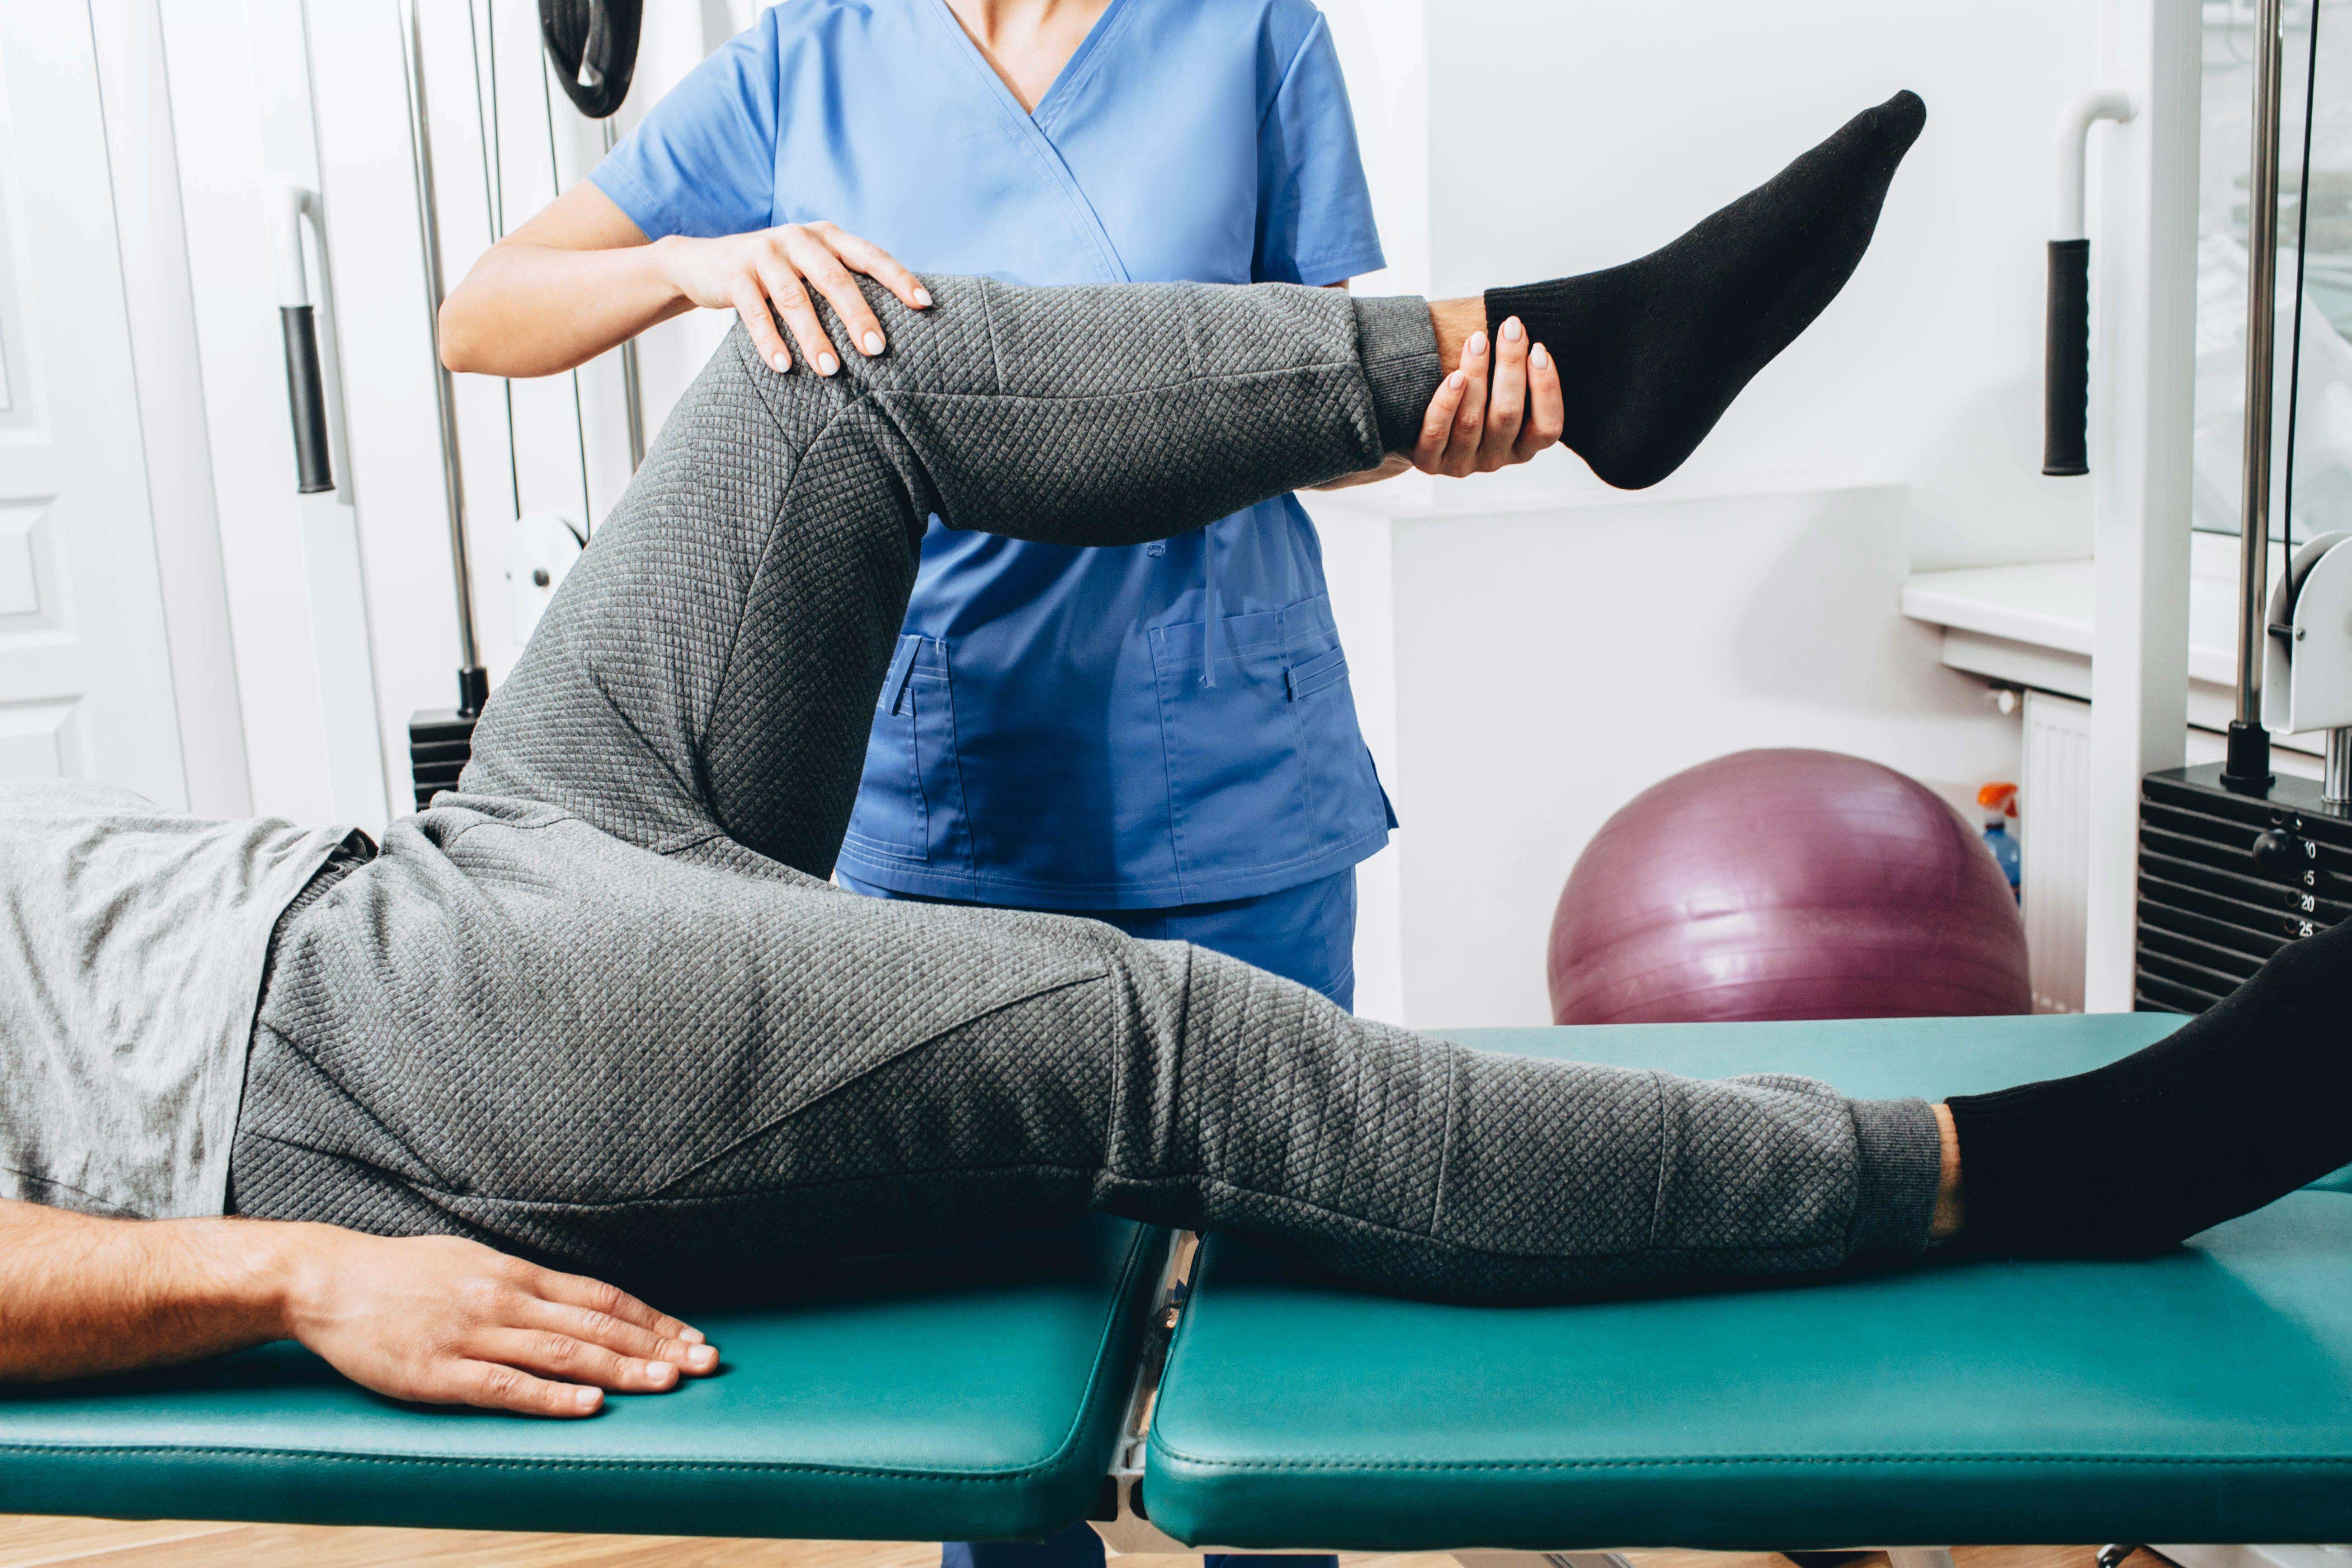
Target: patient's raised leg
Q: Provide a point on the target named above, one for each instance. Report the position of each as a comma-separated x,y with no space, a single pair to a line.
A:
712,662
714,658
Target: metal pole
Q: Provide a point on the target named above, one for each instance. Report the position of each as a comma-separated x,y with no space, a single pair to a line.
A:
632,394
2249,764
2336,788
473,682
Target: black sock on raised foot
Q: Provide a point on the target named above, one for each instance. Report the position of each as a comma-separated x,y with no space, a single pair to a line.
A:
1652,353
2233,1109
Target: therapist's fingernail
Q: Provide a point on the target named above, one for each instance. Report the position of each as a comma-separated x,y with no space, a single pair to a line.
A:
1476,346
586,1398
826,364
782,362
1538,357
874,343
1512,331
923,297
1453,380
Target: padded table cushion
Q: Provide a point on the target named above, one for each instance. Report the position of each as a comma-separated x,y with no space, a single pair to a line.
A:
2202,1396
969,1393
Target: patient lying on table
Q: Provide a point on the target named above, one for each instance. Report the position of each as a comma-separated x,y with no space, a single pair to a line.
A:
599,1010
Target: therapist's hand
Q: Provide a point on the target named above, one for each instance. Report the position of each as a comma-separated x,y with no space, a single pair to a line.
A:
1496,408
1489,415
748,273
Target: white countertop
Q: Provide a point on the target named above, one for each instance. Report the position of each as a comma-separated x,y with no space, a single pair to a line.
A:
2031,626
2048,604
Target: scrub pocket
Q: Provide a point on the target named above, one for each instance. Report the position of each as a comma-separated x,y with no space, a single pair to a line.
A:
910,799
1344,798
1266,769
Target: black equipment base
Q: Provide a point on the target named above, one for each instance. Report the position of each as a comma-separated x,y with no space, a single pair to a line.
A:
440,740
2228,877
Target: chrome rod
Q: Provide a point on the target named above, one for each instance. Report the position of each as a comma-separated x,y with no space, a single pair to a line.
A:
2336,788
445,401
633,397
2262,306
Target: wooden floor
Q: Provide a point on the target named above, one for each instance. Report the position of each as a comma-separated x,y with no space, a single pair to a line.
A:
26,1542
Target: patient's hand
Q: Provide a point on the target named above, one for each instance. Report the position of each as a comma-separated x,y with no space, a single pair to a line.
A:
431,1318
447,1321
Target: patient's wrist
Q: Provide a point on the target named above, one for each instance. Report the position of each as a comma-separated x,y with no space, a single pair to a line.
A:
270,1271
1455,321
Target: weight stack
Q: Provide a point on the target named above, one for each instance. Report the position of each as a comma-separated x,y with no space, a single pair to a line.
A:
440,740
2227,879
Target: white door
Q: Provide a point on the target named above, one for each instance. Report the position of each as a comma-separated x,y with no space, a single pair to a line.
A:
85,672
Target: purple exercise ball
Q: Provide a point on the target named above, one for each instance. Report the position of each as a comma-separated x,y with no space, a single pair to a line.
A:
1786,884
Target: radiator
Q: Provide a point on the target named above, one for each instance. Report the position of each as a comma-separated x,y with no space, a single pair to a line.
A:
2053,821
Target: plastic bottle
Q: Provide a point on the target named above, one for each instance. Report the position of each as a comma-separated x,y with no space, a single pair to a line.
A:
1999,803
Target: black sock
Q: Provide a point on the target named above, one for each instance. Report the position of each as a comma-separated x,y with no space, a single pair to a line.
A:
2237,1108
1652,353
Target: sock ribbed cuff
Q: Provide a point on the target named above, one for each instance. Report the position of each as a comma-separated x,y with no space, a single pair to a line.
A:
2011,1142
1898,1164
1397,343
1523,301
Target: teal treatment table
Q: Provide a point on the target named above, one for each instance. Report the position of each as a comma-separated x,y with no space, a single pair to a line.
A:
1007,1389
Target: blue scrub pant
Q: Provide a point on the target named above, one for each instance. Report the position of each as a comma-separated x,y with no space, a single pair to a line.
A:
1305,933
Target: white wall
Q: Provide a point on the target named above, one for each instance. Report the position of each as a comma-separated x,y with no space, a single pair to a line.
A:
1603,131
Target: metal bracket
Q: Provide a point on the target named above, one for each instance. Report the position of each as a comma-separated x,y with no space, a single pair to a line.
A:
1479,1558
1121,1521
2072,152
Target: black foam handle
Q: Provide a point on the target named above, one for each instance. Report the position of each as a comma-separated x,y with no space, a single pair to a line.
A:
306,394
2066,360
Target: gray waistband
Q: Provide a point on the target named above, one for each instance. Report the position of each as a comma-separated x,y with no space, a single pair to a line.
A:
355,851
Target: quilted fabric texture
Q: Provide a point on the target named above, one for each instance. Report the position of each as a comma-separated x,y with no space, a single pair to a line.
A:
599,1007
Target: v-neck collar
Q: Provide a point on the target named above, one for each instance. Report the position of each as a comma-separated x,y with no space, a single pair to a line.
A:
1066,81
1030,135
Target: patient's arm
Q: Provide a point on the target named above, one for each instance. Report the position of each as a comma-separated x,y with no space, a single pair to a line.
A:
431,1318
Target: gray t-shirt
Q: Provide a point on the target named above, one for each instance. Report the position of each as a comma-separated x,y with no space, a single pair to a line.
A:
131,946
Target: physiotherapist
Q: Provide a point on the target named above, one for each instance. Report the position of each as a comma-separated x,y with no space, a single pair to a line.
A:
1161,736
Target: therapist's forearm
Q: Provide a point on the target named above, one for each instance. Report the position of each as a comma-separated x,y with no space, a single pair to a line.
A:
527,309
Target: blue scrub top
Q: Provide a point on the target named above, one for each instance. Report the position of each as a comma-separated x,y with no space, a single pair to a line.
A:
1130,728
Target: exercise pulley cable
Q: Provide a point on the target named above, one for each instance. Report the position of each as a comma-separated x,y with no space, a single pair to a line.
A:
2302,232
494,196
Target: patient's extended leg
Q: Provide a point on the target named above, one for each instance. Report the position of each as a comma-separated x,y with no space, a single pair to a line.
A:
677,1075
2239,1107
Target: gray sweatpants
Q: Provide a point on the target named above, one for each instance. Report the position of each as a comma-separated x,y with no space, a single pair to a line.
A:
600,1008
